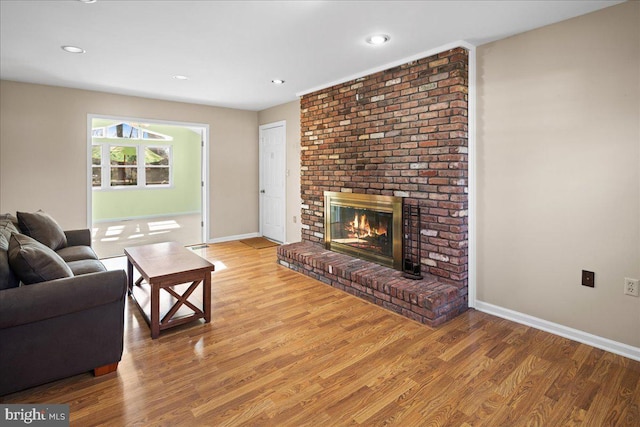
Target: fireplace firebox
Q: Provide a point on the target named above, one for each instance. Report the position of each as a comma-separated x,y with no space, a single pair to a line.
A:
365,226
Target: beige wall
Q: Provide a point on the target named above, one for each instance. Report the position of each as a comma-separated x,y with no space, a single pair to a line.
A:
559,172
290,112
43,152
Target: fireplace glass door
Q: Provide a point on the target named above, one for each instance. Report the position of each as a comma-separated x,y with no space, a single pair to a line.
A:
365,226
363,229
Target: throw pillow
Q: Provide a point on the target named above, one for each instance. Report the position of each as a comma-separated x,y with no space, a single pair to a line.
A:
11,218
42,227
4,240
8,224
33,262
7,278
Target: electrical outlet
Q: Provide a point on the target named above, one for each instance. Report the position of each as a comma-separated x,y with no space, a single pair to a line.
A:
631,287
588,278
295,219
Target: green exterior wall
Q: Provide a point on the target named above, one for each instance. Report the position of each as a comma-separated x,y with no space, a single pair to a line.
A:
184,196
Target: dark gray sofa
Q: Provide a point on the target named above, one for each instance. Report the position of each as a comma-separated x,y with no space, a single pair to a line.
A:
60,314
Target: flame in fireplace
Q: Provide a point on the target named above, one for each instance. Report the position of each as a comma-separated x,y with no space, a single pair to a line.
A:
361,228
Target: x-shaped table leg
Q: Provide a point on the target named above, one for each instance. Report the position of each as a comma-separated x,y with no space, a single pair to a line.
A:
182,300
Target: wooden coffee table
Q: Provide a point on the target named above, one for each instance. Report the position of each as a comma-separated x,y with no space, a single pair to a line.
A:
169,266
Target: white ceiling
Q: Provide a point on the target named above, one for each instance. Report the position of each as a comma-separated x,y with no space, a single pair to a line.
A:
231,50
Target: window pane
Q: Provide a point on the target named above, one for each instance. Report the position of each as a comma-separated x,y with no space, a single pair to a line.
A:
96,176
156,156
112,132
123,176
96,155
124,130
157,176
123,155
149,135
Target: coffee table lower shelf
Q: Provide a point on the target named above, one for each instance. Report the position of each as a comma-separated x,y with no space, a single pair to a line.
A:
141,296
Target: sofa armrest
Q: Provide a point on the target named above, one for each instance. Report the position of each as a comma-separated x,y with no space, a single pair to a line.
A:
33,303
78,237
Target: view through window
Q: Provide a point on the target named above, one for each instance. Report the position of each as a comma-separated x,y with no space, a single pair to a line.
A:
129,165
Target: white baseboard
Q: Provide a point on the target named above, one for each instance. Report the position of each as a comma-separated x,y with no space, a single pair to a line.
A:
561,330
236,237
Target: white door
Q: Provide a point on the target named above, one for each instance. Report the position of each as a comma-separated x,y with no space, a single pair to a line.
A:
272,180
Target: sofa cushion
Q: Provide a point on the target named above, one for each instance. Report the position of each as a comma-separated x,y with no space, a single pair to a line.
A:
7,278
75,253
10,218
42,227
33,262
8,224
86,266
80,237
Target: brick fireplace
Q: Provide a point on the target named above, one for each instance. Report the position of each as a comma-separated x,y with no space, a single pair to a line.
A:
403,133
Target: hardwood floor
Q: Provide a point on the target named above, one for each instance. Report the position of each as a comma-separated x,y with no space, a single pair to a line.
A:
285,350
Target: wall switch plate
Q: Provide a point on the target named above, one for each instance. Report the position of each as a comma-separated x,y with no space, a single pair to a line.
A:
588,278
631,287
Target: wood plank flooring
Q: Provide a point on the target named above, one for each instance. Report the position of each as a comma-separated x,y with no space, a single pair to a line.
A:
285,350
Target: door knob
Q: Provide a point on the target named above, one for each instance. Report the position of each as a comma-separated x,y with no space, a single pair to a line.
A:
262,191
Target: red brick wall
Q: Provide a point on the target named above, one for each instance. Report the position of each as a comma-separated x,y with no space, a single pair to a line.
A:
399,132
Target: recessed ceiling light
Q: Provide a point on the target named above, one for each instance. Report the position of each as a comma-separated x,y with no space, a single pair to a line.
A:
73,49
87,1
277,81
179,77
378,39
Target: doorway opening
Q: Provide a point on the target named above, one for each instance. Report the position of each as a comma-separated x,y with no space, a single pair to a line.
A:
147,183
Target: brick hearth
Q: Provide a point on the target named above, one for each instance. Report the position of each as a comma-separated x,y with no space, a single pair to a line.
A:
428,301
399,132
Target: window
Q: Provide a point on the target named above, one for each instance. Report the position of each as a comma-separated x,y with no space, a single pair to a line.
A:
123,165
96,166
124,169
127,163
156,161
127,131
